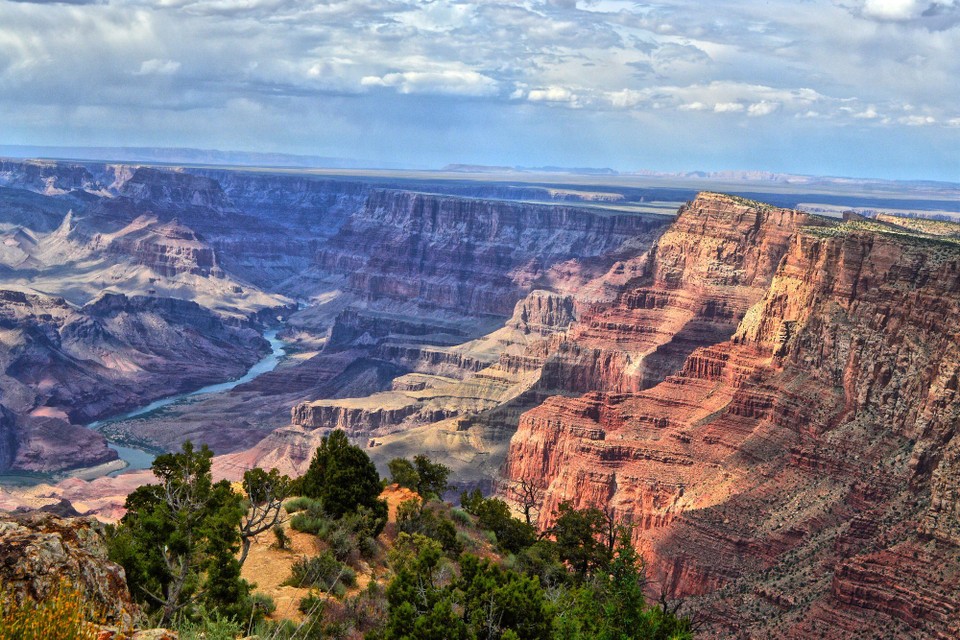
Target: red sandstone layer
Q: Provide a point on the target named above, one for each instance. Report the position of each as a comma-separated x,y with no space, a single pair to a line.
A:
795,477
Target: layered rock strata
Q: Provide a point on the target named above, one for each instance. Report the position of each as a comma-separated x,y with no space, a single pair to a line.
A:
784,475
478,256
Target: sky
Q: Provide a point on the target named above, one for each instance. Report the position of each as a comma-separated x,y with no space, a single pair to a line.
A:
867,88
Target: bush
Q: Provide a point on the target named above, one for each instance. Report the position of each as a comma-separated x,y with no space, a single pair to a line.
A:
461,517
342,475
404,473
494,514
542,560
303,503
413,517
283,540
305,523
323,571
312,604
263,604
367,521
367,546
342,543
63,615
432,477
209,626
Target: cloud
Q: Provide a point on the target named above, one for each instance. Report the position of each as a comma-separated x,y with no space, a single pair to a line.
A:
58,1
158,67
763,108
917,121
448,82
892,9
936,16
551,94
728,107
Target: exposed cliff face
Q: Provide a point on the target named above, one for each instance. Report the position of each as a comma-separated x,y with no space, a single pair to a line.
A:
789,471
543,313
174,189
701,277
468,255
168,249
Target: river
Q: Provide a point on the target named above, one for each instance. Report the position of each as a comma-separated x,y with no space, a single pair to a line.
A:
141,458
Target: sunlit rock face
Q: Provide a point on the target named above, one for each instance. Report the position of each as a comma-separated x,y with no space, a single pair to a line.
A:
796,474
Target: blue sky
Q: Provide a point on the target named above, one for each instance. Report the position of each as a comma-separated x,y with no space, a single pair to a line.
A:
849,87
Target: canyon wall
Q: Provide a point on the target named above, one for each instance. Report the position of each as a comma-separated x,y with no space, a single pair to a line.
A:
796,460
470,255
702,275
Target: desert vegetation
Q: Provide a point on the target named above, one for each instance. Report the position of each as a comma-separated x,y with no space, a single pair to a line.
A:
417,568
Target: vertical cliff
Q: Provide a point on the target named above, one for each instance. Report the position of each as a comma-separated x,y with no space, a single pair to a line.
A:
470,255
702,275
797,475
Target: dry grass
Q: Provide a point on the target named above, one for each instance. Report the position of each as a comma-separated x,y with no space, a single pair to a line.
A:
62,615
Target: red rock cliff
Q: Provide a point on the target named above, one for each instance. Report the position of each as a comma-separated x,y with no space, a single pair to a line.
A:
703,274
797,477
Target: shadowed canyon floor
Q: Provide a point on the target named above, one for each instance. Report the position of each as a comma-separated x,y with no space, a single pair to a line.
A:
769,397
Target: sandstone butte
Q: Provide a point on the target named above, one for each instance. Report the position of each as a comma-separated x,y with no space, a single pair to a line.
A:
773,406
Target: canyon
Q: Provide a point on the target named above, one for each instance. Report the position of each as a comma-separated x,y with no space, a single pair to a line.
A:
768,397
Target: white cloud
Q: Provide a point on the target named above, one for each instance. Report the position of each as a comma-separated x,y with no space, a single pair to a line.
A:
167,61
158,67
625,98
891,9
762,108
728,107
552,94
447,82
917,121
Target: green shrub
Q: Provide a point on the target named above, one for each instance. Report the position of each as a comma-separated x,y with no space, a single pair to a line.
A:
342,543
303,503
342,475
414,517
312,603
404,473
322,571
368,547
283,540
317,525
263,604
209,626
461,517
432,477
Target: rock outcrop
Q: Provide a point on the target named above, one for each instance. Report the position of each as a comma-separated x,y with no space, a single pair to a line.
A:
802,453
38,550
